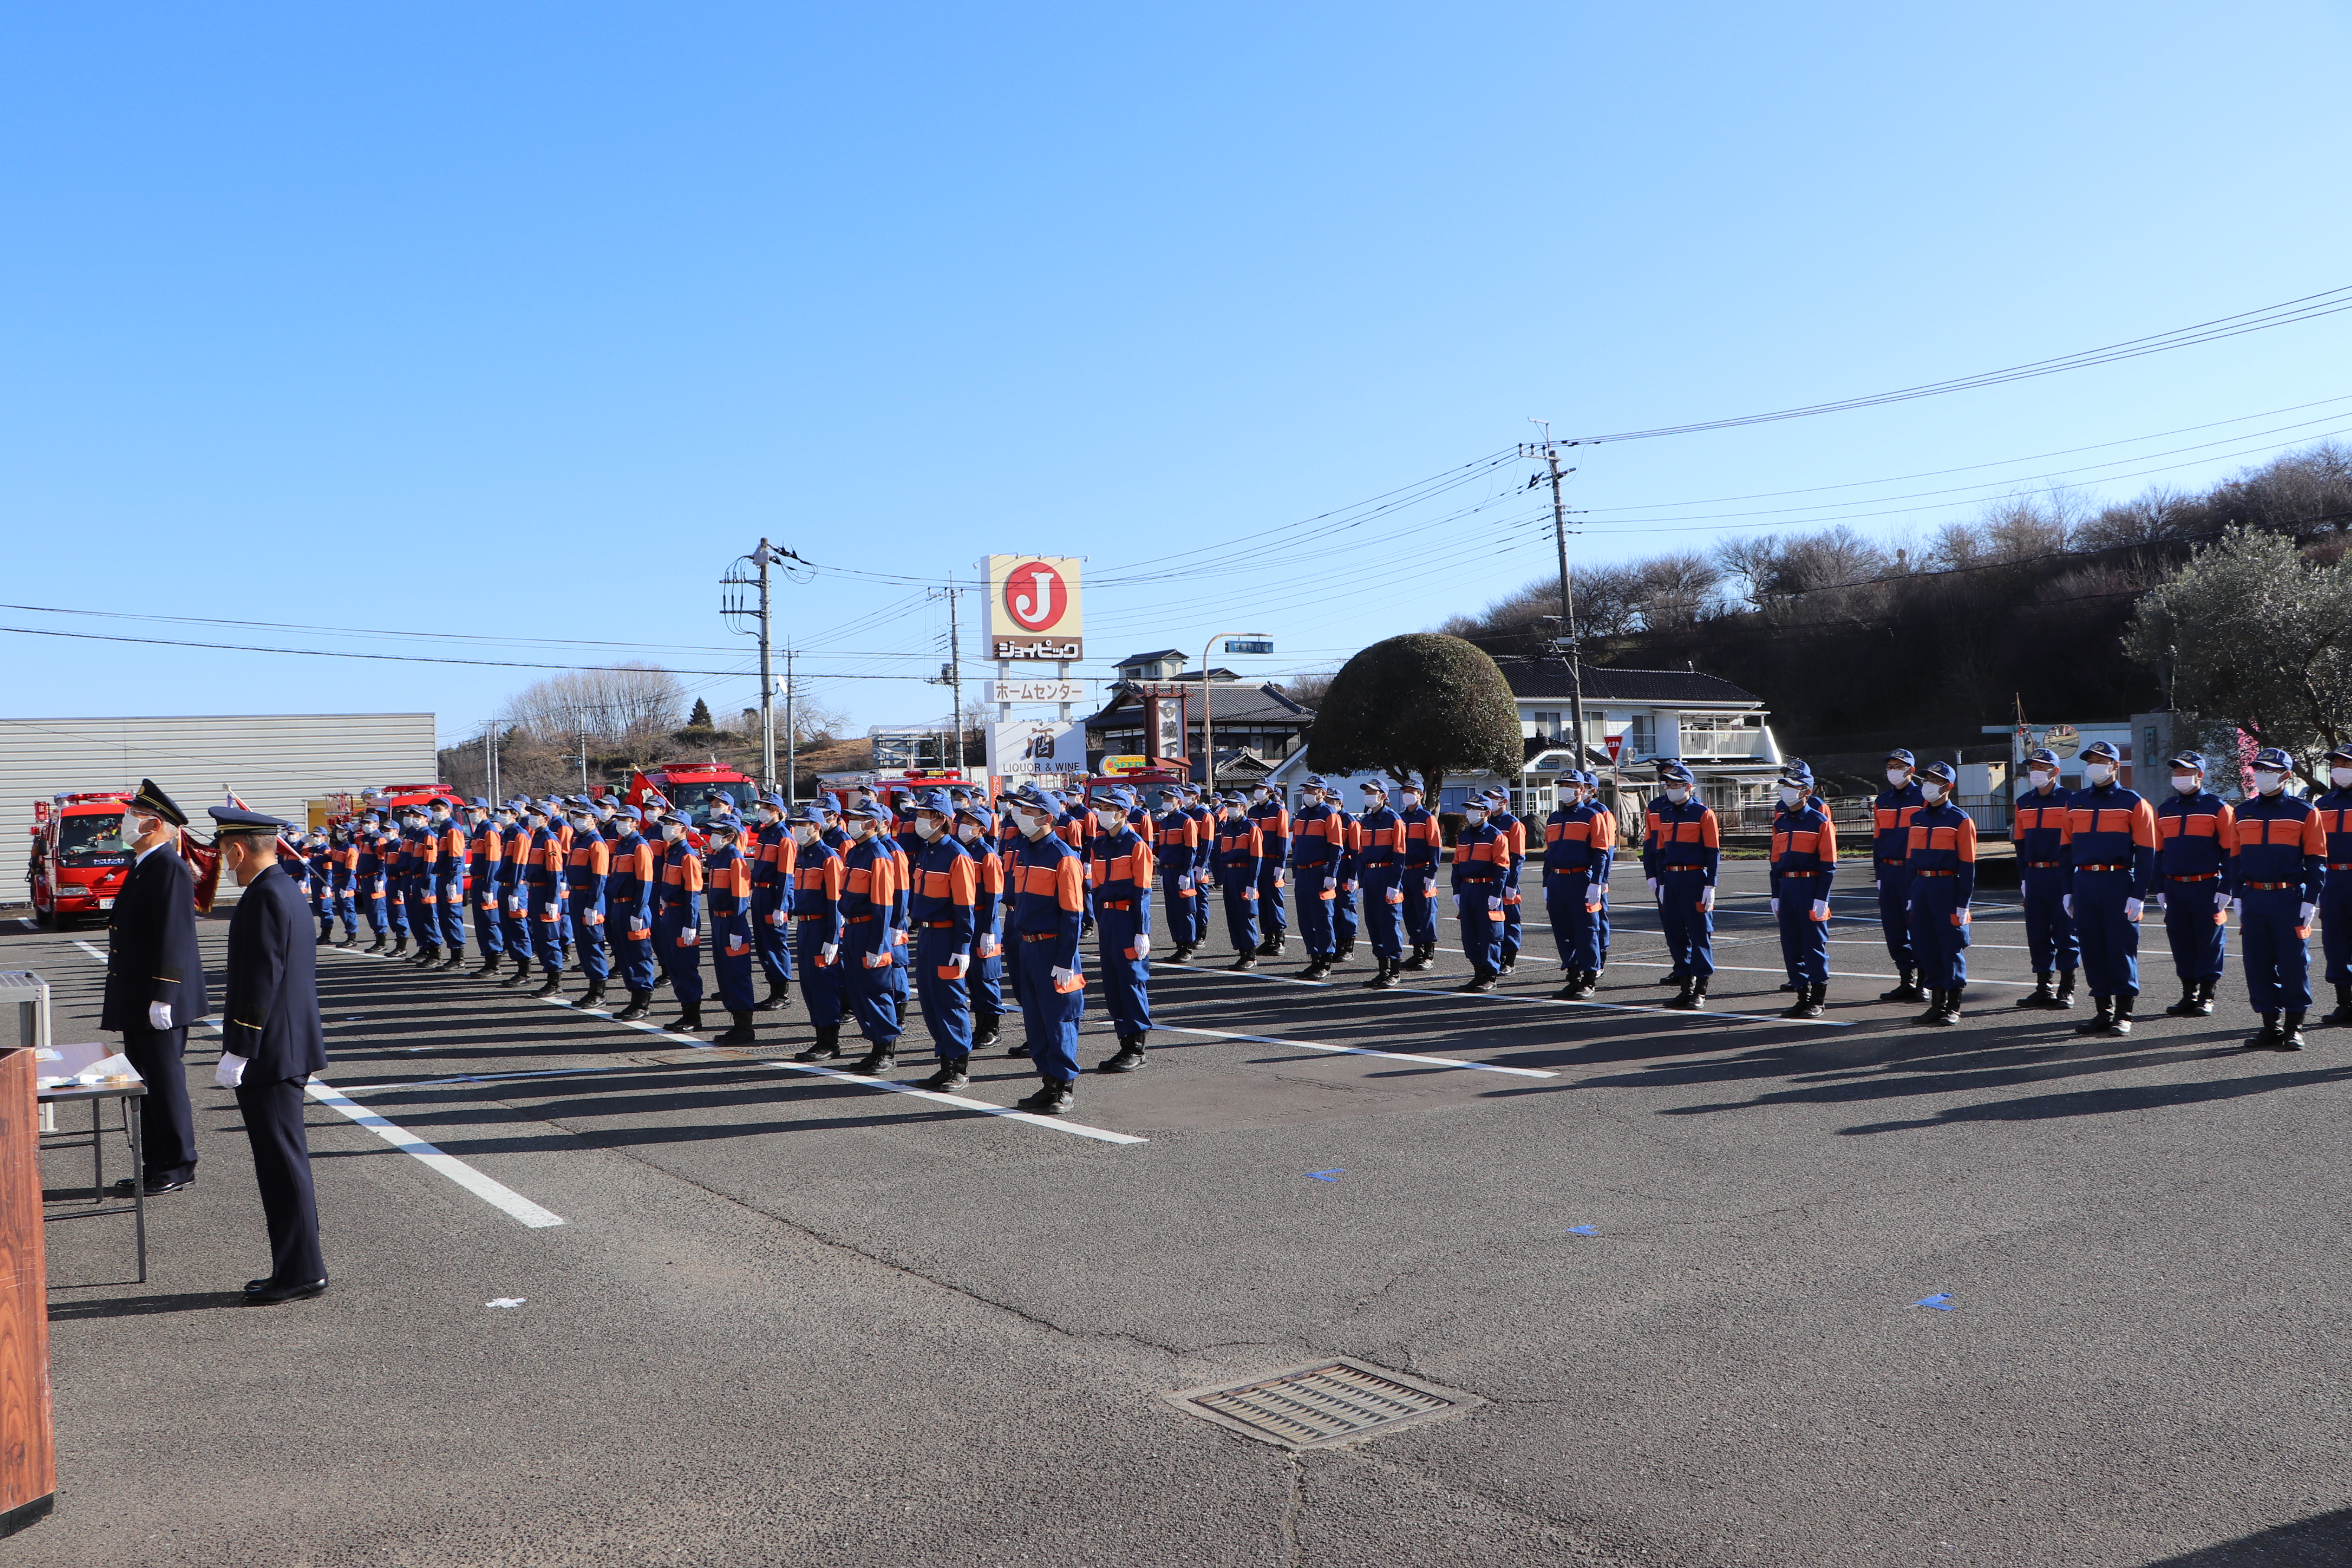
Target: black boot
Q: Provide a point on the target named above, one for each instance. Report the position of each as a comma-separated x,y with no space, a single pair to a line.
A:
1057,1097
741,1033
1906,990
1674,977
595,996
326,935
1952,1005
2096,1024
983,1028
1809,1001
2122,1021
780,994
828,1044
1479,982
877,1061
1020,1050
490,962
522,974
426,956
688,1019
2187,1006
2266,1038
1386,979
377,945
2065,997
399,946
1421,960
1581,984
456,960
1128,1058
1317,968
1246,961
1792,985
1347,950
1935,1013
2343,1013
1571,980
351,939
2291,1033
553,985
2041,997
1691,998
2203,1007
950,1076
640,1004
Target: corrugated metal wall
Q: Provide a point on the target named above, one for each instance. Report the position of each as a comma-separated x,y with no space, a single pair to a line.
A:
275,761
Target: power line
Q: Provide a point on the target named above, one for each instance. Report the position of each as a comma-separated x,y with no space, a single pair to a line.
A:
2285,313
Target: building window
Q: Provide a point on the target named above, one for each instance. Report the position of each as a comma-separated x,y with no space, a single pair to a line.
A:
1547,725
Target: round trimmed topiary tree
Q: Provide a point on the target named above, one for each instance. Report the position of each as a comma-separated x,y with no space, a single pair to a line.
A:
1418,707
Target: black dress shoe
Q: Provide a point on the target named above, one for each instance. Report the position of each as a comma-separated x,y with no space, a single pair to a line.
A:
270,1295
123,1189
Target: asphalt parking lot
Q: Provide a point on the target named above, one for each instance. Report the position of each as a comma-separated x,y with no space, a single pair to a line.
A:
1685,1261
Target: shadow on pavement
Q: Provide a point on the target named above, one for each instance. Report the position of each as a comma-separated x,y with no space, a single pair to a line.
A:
2322,1540
140,1306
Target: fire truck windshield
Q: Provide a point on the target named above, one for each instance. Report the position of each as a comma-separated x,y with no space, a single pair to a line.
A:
79,837
699,800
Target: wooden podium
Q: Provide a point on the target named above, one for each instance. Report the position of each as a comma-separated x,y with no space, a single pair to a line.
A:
28,1460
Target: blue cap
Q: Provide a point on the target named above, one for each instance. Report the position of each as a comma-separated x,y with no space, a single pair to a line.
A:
937,801
629,811
2192,760
533,808
1794,772
1899,755
727,825
828,802
2341,754
1029,797
1674,773
2100,750
674,819
2269,757
1941,772
868,813
973,810
807,812
1373,786
773,798
1117,795
1317,781
2044,755
479,804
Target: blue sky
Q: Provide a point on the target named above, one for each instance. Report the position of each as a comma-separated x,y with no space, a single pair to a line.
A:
499,325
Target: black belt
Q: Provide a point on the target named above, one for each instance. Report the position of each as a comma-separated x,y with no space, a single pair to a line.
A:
2201,876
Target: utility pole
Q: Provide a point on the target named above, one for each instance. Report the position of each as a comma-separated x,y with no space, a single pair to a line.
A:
733,608
1548,450
792,733
490,758
951,675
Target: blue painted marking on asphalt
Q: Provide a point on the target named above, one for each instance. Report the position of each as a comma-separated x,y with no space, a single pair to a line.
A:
1330,1175
1584,1230
1941,1303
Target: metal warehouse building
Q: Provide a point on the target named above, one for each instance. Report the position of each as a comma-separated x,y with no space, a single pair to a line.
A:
275,761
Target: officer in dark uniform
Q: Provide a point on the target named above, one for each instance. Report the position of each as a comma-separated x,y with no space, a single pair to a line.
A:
2335,808
271,1041
155,985
2194,830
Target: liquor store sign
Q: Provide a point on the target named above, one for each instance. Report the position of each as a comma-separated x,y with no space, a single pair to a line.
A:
1033,607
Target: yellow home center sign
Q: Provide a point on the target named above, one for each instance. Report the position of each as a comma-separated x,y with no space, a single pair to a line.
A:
1033,607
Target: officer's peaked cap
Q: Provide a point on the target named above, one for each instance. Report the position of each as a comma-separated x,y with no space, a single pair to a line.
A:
237,820
155,803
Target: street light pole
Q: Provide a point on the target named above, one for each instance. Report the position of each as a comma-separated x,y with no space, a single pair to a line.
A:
1208,716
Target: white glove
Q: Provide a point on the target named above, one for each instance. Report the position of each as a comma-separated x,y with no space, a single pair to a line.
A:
876,961
1592,903
1776,906
829,951
1706,899
638,927
2160,901
2237,906
2303,913
990,946
1821,909
2132,908
1349,886
159,1016
959,962
1142,944
231,1071
2221,901
2066,902
1654,889
1063,976
514,906
776,918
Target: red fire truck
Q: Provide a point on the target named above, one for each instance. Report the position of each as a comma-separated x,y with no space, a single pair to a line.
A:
693,790
80,861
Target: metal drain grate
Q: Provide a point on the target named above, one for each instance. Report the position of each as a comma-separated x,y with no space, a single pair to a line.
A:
1322,1403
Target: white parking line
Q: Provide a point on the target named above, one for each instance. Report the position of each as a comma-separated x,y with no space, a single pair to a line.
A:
1356,1051
90,949
1675,1012
497,1194
1835,973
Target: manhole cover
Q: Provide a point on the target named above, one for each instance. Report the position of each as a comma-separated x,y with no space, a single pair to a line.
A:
1322,1403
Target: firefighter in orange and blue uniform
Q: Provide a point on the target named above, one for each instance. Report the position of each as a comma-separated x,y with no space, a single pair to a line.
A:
1046,883
1507,821
367,834
727,891
2041,822
873,974
485,848
1890,853
677,918
1377,842
817,881
514,916
1119,872
2335,808
1803,866
2193,835
587,865
343,879
1319,852
1682,851
1238,861
1942,868
2280,873
1175,850
975,829
1272,818
415,863
540,881
942,903
1482,869
446,895
1579,847
770,847
1424,851
1204,840
1344,925
2110,861
629,882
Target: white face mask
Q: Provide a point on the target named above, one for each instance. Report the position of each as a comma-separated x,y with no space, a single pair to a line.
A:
1475,817
1898,777
1032,824
2098,773
1261,794
2043,778
673,833
804,833
1790,797
2340,777
1677,794
1933,792
719,841
134,828
931,828
1408,800
1110,817
968,831
2188,784
2268,782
